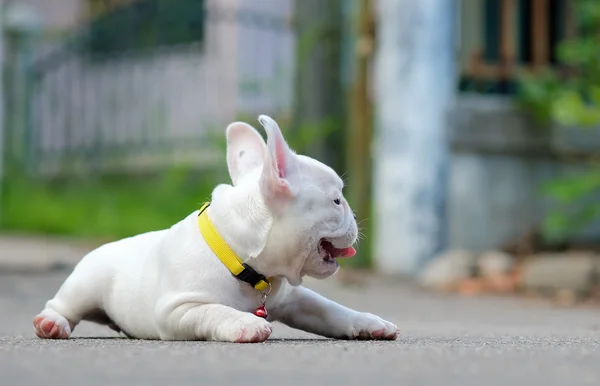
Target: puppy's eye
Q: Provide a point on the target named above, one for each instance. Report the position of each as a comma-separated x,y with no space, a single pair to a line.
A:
337,201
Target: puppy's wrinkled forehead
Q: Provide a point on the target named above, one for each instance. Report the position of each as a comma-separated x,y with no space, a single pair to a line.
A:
320,173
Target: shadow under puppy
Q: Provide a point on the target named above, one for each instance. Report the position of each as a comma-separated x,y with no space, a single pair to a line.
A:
214,275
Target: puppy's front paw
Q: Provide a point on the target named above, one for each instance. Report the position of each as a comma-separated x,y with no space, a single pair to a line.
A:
369,326
247,329
49,324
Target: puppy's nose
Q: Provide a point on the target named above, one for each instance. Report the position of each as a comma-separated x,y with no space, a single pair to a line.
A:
353,215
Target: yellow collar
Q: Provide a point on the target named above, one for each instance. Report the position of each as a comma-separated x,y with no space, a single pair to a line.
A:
238,268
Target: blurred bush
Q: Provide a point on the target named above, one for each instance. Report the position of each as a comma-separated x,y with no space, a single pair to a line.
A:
105,207
570,96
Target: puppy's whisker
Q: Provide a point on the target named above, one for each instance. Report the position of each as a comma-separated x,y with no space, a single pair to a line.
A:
361,221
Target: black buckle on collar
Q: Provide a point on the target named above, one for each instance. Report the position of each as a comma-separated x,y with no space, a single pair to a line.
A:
250,276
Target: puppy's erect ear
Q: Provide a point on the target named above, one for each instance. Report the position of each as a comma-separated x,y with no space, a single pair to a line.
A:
281,169
246,150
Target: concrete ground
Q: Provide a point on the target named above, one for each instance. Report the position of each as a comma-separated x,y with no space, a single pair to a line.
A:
445,340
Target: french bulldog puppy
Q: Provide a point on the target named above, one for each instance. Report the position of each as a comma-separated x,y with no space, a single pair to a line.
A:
284,215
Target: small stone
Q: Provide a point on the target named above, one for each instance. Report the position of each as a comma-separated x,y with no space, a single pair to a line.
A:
500,283
495,263
566,297
575,272
471,287
448,269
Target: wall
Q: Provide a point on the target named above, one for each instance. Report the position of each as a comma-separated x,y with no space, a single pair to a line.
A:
500,159
57,14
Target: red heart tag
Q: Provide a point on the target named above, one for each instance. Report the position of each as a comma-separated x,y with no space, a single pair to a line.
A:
261,312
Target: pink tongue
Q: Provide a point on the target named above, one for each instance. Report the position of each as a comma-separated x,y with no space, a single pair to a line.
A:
347,252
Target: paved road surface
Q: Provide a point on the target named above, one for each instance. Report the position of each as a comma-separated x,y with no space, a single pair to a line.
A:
446,341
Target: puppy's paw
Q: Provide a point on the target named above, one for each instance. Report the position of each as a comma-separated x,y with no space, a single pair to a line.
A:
49,324
367,326
247,329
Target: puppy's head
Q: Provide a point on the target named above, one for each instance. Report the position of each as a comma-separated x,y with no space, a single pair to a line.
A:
311,222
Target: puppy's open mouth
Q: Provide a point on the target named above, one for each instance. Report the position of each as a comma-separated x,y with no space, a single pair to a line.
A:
329,253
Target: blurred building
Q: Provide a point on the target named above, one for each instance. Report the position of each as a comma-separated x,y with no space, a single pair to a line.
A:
112,76
115,84
501,156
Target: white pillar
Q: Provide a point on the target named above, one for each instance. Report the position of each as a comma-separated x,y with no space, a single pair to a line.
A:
414,84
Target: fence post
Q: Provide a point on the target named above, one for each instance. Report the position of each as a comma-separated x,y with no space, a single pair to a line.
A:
21,23
2,104
318,107
360,126
415,81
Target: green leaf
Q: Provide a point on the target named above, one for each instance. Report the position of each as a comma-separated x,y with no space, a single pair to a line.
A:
570,189
555,226
577,52
567,108
594,92
589,14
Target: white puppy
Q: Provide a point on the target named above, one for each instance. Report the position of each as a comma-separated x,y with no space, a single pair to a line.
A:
284,216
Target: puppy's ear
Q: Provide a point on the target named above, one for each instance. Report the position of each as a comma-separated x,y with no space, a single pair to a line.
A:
281,169
246,150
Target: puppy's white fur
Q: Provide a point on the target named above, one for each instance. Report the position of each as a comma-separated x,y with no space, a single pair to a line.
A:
169,285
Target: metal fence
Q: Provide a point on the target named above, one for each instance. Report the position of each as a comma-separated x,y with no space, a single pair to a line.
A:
138,86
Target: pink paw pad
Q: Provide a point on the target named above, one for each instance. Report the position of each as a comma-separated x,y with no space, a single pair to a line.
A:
381,334
246,336
393,335
378,333
46,328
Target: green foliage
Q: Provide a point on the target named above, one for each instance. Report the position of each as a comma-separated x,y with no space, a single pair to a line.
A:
570,97
575,203
106,207
537,92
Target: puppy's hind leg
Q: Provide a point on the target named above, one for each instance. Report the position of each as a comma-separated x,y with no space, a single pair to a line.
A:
80,295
